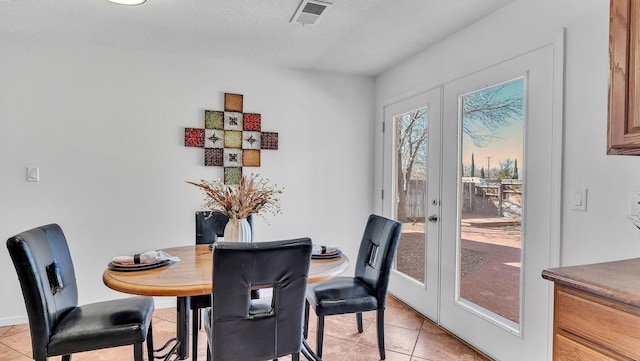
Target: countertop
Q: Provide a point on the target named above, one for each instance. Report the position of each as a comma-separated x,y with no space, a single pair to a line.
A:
617,280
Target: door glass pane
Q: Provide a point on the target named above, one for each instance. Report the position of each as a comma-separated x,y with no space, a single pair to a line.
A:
411,133
492,166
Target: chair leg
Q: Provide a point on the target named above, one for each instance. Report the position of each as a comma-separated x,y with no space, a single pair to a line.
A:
194,334
359,321
66,358
150,342
295,356
319,336
380,327
305,329
137,351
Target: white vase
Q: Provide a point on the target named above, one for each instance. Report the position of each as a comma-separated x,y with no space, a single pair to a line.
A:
237,230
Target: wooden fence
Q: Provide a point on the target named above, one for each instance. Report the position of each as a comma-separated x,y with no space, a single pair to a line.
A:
485,197
478,196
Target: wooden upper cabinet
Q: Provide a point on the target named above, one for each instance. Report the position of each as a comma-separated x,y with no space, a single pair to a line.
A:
624,78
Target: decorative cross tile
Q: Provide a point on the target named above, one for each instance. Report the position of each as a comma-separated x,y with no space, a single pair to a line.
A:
231,139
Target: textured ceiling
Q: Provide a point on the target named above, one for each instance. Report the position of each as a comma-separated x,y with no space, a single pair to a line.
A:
355,36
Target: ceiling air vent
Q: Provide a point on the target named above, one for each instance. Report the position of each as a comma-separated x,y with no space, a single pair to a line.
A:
309,12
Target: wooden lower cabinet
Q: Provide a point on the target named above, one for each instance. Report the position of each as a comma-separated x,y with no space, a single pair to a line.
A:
596,311
589,327
568,348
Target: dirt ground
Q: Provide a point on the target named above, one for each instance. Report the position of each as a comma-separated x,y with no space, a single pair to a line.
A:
490,265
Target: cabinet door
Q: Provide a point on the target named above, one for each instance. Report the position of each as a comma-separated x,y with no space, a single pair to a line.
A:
624,78
613,326
567,349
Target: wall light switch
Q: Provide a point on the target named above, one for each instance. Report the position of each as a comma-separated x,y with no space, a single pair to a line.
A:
579,199
33,174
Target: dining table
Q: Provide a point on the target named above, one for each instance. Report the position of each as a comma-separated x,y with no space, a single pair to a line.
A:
192,276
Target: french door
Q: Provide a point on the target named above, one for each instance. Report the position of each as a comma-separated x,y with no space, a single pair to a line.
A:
412,130
489,176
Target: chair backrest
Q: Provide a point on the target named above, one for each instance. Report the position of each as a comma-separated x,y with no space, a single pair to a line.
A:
210,226
47,278
375,256
246,329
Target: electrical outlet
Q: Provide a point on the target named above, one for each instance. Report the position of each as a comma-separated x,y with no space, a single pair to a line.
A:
33,174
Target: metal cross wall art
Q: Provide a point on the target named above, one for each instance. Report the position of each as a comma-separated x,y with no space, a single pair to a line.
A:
231,139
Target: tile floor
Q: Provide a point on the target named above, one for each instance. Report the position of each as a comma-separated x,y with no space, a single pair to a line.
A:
409,337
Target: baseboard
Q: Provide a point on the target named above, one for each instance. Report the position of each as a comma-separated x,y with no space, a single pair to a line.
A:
164,302
10,321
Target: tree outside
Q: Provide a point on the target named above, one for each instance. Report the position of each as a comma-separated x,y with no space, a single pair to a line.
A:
486,114
412,134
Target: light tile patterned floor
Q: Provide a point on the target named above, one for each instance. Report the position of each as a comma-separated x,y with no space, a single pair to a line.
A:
409,337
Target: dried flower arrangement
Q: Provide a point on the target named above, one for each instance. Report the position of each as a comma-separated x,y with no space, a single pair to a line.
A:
252,195
635,219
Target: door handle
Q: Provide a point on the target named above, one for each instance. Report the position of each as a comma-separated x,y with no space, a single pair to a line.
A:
432,218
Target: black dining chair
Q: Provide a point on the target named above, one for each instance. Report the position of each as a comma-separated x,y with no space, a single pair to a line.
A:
209,227
367,290
246,329
58,325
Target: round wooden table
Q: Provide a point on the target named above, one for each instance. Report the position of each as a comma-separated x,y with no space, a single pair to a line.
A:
192,276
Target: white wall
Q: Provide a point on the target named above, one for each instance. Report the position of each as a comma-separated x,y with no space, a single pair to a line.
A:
106,127
602,233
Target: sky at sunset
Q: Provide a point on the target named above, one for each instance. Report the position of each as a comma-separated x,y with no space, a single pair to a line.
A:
509,141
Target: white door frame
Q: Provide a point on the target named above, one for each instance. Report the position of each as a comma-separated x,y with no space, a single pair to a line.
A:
423,297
